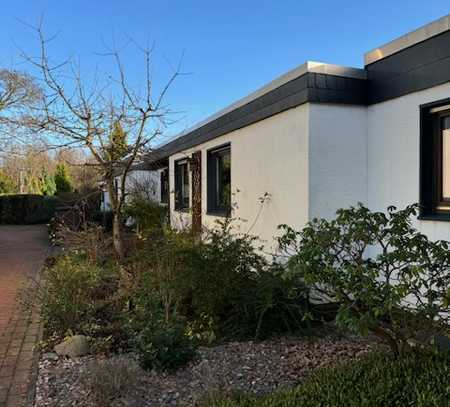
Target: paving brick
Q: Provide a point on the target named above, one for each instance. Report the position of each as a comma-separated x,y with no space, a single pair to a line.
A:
22,252
15,401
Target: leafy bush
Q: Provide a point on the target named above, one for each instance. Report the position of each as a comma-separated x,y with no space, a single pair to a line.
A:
163,346
80,297
224,284
148,216
160,344
415,379
386,276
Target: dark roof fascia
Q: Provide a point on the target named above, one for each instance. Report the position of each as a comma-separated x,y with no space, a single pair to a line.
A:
418,67
309,87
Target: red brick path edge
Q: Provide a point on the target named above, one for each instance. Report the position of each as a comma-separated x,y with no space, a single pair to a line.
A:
23,250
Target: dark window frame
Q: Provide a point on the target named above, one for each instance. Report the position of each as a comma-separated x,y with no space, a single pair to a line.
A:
213,207
431,201
181,205
164,186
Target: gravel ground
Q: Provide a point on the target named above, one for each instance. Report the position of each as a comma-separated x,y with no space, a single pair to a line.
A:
256,367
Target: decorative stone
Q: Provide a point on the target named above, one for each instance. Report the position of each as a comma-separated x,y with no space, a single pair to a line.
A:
52,356
74,346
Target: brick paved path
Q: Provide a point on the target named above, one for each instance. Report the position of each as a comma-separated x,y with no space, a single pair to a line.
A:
22,252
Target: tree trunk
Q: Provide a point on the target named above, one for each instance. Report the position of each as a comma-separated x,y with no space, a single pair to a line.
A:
116,225
117,235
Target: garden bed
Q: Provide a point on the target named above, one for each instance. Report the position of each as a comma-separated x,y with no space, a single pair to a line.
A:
249,367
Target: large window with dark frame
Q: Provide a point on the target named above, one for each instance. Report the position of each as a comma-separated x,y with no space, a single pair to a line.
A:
164,186
182,190
435,160
219,180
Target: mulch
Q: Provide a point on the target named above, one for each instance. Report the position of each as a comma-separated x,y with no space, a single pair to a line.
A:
251,367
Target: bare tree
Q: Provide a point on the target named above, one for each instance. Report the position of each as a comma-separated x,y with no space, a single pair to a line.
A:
77,111
18,92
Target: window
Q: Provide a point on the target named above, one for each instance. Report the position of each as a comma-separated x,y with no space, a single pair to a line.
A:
219,180
164,186
181,184
435,161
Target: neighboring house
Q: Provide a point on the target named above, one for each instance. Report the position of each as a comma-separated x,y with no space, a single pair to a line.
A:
145,180
322,137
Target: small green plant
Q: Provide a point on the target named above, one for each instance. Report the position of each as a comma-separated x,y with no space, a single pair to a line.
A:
163,346
112,379
386,276
160,344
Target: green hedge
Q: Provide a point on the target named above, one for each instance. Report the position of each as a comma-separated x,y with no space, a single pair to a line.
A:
26,209
378,380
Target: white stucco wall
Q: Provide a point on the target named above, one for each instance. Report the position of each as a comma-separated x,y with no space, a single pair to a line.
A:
393,159
337,158
270,156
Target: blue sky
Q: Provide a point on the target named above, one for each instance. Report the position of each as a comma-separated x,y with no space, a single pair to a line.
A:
231,47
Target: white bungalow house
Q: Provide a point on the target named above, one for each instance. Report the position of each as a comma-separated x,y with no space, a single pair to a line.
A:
322,137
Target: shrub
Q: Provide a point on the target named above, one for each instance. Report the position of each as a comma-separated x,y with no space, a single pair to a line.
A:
90,239
26,209
386,276
148,216
157,269
79,297
104,218
108,380
222,285
159,344
163,346
228,280
415,379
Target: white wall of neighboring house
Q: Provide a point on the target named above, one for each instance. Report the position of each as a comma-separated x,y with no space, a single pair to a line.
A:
150,180
270,156
394,154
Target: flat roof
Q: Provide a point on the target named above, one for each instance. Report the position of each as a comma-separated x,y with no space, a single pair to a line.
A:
414,37
308,66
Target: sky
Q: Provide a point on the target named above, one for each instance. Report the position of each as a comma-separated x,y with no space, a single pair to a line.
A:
228,48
